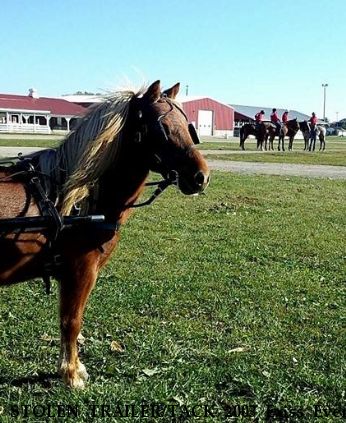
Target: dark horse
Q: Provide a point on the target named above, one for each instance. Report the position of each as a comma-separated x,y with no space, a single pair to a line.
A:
100,168
261,133
304,127
289,129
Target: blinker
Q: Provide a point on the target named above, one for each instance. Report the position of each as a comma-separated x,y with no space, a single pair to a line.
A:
193,134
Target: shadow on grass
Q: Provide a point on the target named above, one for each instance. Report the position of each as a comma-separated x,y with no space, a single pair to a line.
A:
43,379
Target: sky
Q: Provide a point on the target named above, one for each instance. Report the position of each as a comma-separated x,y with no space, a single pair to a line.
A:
257,53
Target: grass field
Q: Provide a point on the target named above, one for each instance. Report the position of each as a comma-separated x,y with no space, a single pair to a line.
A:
334,158
233,298
28,142
335,153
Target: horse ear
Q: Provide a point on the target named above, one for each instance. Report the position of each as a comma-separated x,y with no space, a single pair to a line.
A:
153,93
172,92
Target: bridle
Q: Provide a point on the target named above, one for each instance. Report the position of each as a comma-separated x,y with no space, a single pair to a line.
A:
171,174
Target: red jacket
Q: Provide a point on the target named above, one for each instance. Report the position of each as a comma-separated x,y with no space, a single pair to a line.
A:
258,117
285,118
274,117
313,120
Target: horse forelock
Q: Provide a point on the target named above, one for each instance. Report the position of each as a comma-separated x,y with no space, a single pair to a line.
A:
89,150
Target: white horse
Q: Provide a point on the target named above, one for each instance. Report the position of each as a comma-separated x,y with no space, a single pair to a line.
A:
321,133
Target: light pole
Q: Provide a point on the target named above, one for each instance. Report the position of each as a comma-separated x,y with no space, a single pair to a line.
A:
324,100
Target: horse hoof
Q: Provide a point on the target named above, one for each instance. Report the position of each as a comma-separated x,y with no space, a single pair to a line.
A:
76,378
82,373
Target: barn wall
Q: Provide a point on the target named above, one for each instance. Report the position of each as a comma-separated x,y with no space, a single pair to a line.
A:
223,116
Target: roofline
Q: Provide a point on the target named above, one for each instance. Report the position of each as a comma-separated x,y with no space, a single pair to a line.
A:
3,109
181,100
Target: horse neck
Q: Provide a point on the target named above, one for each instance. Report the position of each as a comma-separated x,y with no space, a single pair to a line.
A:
121,184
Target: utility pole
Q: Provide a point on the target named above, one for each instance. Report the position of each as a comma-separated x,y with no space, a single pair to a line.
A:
187,90
324,100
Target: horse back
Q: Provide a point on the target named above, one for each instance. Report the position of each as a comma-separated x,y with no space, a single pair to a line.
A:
15,200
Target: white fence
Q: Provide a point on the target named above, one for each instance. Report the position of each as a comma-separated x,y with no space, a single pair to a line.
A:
25,128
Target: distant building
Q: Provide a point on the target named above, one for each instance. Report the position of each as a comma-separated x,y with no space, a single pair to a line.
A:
34,114
209,116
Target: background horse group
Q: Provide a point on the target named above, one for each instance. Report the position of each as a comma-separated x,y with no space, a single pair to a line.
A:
266,132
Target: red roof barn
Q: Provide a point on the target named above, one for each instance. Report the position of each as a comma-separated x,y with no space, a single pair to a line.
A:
210,117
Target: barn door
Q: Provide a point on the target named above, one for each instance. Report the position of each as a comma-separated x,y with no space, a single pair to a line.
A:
205,122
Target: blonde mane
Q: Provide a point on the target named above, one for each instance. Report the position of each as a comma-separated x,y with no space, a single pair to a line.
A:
87,151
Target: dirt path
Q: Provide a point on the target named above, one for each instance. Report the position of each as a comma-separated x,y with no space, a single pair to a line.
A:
310,171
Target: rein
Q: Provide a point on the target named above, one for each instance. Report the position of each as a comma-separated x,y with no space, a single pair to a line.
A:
161,186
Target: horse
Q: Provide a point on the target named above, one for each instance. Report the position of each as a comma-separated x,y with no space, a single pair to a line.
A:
245,131
101,168
321,132
261,133
304,127
289,129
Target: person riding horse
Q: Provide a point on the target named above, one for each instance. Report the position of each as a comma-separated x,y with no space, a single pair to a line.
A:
275,120
259,117
313,131
284,118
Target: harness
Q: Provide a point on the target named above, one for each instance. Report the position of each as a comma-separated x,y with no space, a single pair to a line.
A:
172,175
51,223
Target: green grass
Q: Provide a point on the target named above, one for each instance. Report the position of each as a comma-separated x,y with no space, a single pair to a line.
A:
335,153
232,143
334,158
233,297
29,142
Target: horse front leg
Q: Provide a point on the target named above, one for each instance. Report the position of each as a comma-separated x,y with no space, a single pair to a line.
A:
306,143
75,288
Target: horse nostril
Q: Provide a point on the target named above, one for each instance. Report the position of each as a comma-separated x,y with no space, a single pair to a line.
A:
200,178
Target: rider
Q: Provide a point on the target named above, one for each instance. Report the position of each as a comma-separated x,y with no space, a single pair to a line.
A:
259,117
274,119
285,117
313,131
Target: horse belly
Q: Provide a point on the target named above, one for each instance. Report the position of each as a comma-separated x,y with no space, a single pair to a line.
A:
20,257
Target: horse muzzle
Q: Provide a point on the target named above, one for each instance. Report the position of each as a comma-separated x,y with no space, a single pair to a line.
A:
195,184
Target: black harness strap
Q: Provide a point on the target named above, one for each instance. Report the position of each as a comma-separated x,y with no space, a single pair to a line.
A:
161,186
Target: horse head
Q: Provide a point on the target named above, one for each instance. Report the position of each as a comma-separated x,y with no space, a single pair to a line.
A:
168,141
294,124
303,126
